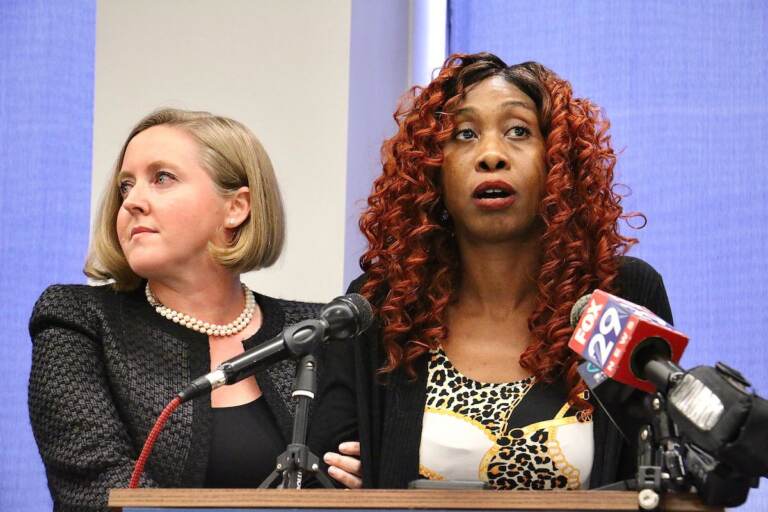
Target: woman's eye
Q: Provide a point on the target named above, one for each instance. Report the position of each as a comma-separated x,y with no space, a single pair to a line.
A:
124,187
163,177
465,134
519,131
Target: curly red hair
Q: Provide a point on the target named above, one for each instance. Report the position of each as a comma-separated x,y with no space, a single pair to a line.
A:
412,263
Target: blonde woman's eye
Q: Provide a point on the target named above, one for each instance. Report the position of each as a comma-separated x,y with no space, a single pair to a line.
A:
124,187
163,177
466,134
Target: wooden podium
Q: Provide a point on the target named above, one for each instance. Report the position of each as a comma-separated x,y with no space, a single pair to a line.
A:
178,500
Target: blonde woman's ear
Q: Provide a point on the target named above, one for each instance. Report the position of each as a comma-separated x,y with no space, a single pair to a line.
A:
239,207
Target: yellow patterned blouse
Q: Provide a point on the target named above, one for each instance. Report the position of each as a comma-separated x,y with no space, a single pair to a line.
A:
516,435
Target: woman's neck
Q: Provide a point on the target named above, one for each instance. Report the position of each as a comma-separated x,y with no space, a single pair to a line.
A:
498,277
214,296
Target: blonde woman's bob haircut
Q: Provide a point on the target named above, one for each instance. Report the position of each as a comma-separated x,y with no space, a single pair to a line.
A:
234,158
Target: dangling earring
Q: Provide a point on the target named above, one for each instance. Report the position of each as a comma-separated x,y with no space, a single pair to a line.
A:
446,221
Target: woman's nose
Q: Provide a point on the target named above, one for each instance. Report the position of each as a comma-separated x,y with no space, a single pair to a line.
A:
491,159
135,200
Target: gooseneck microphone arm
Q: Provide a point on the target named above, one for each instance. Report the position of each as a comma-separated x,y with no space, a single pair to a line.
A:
295,341
342,318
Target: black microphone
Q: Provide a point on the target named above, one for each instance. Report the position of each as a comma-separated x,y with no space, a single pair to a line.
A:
343,317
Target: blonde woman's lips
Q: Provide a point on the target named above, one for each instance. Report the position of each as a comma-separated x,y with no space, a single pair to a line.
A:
138,230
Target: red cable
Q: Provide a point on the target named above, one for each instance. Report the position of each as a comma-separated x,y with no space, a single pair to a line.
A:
138,469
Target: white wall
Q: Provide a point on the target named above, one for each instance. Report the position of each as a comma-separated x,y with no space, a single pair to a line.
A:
281,68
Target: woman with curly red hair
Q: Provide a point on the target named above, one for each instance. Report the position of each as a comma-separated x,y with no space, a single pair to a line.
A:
494,213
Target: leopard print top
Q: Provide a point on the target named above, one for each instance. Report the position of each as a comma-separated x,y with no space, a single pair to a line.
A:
516,435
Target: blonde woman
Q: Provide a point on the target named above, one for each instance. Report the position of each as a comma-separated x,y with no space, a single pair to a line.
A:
192,203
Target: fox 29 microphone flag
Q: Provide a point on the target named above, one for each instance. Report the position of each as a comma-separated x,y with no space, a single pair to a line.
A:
610,330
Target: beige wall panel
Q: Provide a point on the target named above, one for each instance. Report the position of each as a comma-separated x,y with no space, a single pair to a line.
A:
280,67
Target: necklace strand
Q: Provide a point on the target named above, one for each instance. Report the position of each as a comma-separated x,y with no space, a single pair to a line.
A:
195,324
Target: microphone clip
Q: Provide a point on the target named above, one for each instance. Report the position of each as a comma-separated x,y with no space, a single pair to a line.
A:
302,338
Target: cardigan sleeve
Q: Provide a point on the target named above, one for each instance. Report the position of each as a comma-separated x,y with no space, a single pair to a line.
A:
640,283
84,444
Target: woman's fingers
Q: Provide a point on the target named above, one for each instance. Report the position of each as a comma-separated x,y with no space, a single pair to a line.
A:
346,479
350,448
345,469
348,464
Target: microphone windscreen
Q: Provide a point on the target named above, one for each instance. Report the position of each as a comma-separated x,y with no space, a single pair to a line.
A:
578,308
364,310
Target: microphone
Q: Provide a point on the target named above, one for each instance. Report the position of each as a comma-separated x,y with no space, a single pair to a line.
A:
343,317
710,406
626,342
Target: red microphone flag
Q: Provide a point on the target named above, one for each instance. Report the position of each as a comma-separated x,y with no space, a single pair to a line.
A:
610,328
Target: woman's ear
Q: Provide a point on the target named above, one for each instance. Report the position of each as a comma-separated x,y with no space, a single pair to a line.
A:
238,208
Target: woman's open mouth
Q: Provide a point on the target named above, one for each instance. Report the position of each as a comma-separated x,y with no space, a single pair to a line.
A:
494,195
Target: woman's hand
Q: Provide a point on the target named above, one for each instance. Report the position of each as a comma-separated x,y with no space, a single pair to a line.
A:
345,466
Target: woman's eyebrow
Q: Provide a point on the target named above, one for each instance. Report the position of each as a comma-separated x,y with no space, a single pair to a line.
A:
465,111
518,103
471,112
157,164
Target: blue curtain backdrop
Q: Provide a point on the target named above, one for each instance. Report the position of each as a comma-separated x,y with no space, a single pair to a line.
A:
684,85
46,104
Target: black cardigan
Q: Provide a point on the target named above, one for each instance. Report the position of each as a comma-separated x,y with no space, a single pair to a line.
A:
104,364
354,403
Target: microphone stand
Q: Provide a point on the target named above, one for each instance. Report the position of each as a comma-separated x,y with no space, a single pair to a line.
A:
664,464
656,451
297,460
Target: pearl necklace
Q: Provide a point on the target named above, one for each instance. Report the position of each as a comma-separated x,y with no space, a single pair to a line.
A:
204,327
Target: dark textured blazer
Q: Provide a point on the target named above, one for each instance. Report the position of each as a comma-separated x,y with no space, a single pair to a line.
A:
104,365
387,416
